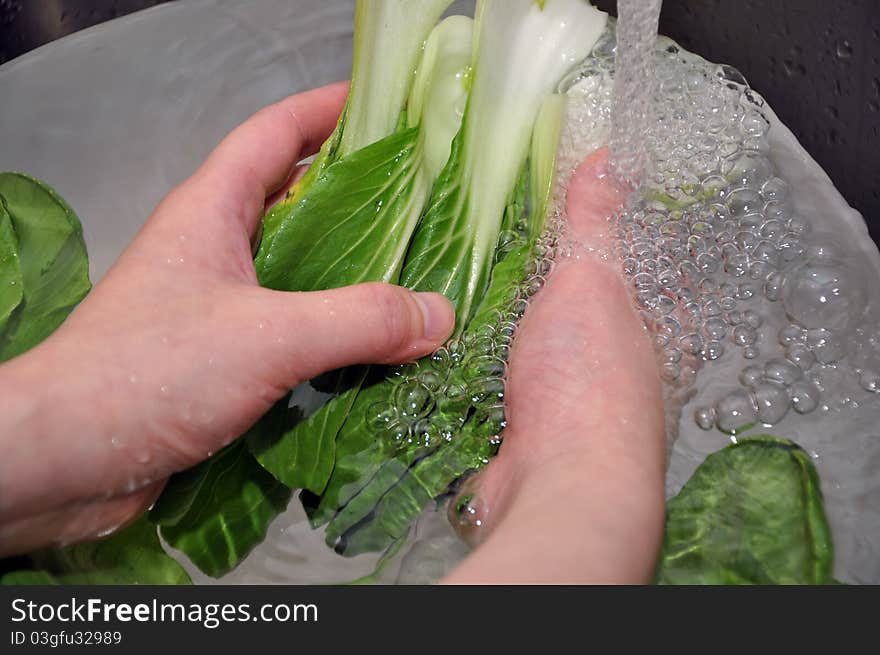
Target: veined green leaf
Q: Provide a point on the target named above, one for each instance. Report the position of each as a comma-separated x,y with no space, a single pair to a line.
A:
301,453
228,513
751,514
11,282
52,261
132,556
359,453
355,222
276,216
430,477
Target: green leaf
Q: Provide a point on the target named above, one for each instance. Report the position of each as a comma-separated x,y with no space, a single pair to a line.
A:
354,223
430,477
359,453
441,257
54,267
751,514
301,452
11,280
132,556
218,520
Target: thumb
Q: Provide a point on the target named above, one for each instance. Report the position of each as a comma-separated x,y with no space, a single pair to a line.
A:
372,323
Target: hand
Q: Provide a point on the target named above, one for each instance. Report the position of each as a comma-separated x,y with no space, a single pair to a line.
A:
178,350
576,492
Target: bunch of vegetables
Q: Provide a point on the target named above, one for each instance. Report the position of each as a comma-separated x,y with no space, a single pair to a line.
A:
437,177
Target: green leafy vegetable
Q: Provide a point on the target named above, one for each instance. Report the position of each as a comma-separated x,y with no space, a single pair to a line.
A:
751,514
351,218
521,52
299,451
219,512
10,271
43,262
131,556
380,485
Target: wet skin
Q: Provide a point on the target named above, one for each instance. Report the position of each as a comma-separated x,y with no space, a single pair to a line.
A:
178,350
576,492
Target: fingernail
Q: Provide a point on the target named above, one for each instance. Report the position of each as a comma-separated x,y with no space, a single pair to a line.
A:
437,314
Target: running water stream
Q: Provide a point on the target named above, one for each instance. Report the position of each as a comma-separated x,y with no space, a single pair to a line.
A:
634,82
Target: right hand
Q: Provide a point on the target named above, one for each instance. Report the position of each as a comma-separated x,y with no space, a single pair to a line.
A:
576,494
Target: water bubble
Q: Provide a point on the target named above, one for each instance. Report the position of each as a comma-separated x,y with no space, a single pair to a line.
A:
484,366
775,189
744,335
713,350
791,334
870,381
826,346
804,396
782,371
715,329
670,372
454,400
736,412
773,402
748,168
745,292
382,415
752,319
801,356
773,286
486,390
705,417
691,344
823,293
441,360
751,376
431,380
744,201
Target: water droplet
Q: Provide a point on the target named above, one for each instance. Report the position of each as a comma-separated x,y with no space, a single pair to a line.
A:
870,381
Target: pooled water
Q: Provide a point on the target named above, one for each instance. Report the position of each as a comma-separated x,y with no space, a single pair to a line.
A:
763,319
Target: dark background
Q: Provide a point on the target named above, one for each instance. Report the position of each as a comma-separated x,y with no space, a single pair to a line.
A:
816,61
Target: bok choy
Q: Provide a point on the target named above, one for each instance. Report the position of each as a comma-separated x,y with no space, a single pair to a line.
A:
427,182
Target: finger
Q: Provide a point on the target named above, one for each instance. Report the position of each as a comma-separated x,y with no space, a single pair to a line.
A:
258,157
594,195
371,323
581,365
581,468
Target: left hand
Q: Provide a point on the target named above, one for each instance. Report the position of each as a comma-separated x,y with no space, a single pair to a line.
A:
178,350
